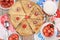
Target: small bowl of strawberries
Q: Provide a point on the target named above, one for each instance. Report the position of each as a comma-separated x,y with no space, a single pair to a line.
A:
48,30
6,4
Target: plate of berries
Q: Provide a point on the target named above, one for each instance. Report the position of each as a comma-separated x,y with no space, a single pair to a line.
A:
48,30
6,4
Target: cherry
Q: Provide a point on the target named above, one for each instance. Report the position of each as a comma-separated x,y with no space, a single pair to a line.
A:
17,18
24,26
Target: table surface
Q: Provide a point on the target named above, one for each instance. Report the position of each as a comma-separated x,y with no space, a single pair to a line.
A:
23,38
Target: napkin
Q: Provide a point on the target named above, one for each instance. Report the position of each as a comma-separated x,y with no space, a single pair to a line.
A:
4,18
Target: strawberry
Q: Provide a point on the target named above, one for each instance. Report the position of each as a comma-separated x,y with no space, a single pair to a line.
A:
46,34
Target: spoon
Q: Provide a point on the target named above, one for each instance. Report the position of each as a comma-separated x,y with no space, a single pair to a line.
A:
7,24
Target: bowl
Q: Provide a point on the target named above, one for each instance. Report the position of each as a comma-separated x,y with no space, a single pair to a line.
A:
6,7
48,34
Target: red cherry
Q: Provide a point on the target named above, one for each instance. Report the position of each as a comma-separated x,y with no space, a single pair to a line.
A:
10,38
51,34
49,31
52,29
46,34
44,30
17,18
24,26
15,36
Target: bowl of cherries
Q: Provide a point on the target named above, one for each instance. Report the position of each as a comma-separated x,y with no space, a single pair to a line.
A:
48,30
6,4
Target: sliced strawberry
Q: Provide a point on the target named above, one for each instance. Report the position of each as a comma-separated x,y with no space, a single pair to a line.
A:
46,34
52,29
44,30
49,31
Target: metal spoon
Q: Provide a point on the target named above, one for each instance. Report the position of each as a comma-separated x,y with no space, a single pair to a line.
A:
7,24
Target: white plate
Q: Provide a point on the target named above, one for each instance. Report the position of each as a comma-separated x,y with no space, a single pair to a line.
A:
55,32
40,36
